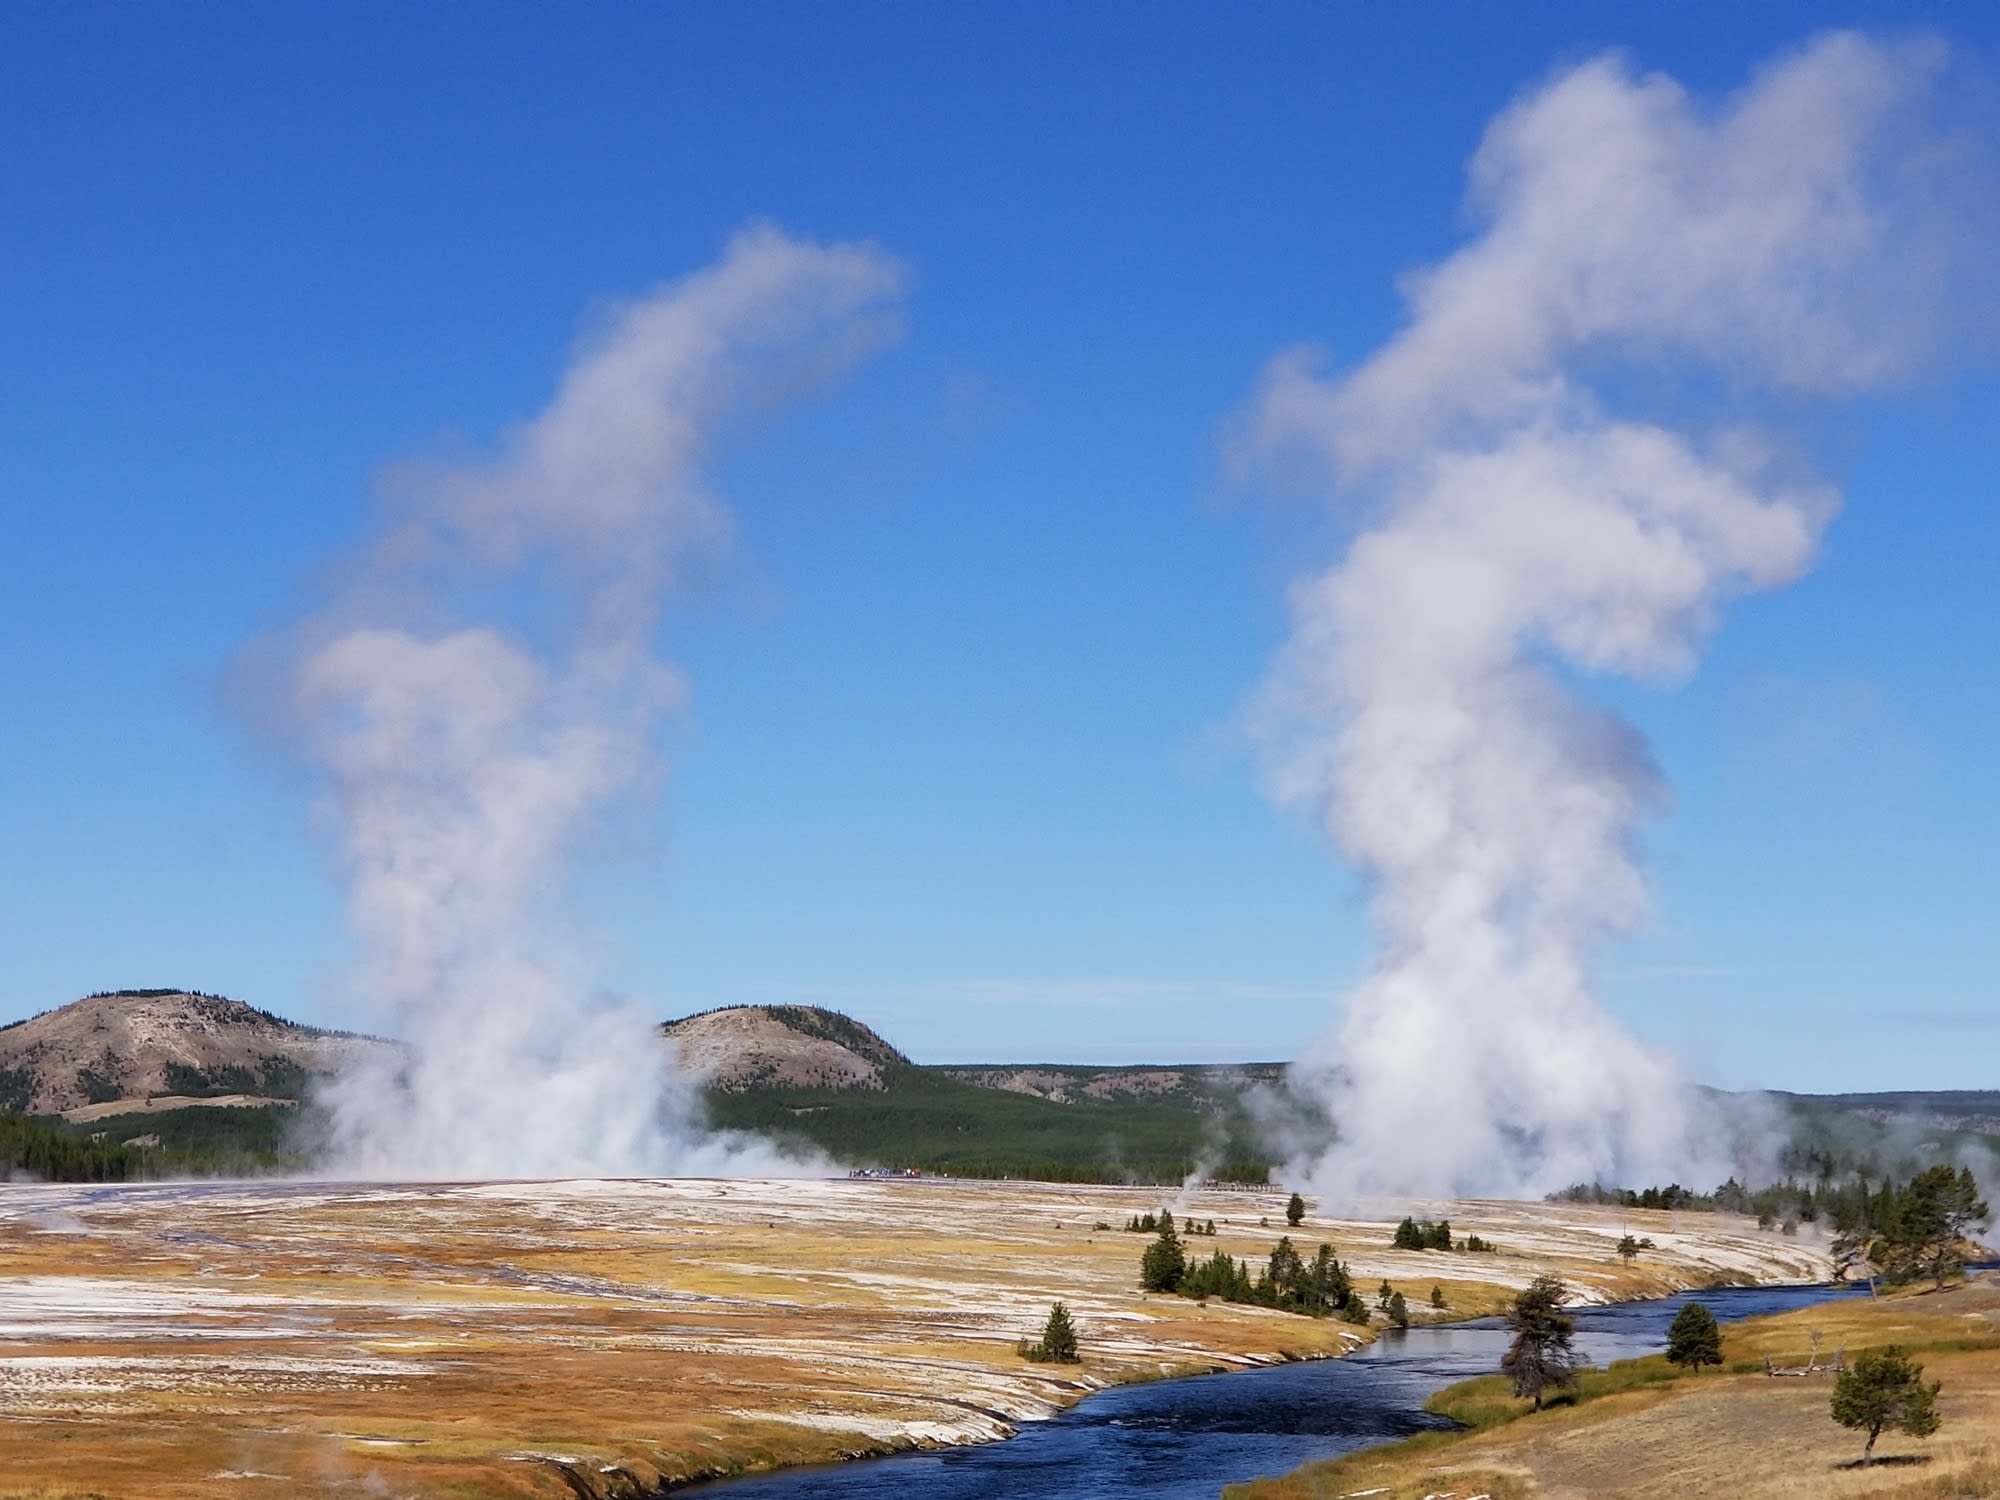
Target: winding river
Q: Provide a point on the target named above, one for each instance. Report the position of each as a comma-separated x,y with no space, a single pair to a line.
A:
1185,1439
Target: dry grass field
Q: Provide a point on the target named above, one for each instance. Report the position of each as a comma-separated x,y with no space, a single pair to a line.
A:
169,1342
1737,1434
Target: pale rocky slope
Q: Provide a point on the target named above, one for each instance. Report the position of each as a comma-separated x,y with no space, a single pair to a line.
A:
137,1044
782,1046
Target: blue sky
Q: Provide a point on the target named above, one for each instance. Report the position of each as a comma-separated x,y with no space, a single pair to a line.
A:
962,756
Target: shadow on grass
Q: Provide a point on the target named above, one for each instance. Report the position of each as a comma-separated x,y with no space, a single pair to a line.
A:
1888,1461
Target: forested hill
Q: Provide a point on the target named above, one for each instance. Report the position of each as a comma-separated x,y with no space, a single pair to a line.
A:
213,1084
1975,1110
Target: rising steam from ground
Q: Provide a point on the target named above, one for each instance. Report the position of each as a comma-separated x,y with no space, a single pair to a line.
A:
483,693
1520,528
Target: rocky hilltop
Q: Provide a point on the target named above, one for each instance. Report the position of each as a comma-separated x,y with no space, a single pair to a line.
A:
141,1044
744,1047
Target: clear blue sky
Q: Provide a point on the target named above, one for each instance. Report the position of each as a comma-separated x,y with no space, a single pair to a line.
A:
961,757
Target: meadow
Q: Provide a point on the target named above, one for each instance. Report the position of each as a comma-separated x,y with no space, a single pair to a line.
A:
604,1339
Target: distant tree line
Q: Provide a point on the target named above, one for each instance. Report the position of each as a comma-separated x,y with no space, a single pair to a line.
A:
29,1147
1902,1232
1287,1281
1921,1231
156,994
1791,1201
928,1120
192,1142
275,1076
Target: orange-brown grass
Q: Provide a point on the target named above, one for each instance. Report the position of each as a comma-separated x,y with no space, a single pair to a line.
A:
1644,1430
546,1340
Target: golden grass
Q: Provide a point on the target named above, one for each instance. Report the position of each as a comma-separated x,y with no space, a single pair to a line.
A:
468,1340
1645,1431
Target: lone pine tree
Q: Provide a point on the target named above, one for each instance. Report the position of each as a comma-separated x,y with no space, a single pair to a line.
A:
1884,1389
1542,1356
1693,1339
1058,1344
1165,1262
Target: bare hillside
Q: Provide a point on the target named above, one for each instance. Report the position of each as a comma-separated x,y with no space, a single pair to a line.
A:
744,1047
136,1044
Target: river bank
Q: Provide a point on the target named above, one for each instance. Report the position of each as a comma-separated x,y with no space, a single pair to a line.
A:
1184,1439
604,1338
1646,1431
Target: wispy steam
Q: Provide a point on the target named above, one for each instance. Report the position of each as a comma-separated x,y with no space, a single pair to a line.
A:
484,692
1523,527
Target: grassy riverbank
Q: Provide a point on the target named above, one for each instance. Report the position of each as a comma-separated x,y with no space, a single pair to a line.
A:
272,1341
1644,1430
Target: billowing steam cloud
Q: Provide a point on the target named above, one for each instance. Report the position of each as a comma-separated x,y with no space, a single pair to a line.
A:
484,692
1517,533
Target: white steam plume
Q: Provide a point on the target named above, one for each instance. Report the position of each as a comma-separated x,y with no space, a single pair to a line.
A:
1516,533
484,693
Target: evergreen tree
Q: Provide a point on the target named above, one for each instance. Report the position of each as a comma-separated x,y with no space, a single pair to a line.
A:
1329,1284
1215,1277
1932,1218
1058,1345
1165,1262
1693,1339
1285,1275
1295,1211
1399,1311
1408,1236
1542,1354
1437,1296
1628,1248
1884,1388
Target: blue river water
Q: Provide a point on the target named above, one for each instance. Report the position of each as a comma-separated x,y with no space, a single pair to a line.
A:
1186,1439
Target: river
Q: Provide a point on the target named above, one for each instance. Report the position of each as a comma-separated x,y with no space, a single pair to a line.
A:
1185,1439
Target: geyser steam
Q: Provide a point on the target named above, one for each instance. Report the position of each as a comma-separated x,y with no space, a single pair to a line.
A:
484,691
1516,533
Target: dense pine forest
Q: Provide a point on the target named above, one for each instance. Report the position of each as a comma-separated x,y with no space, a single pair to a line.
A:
193,1142
929,1122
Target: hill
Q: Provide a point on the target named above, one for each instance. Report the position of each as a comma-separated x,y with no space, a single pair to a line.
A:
194,1077
820,1079
143,1044
1949,1110
742,1047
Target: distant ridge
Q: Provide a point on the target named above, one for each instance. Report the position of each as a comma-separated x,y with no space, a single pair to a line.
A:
130,1065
